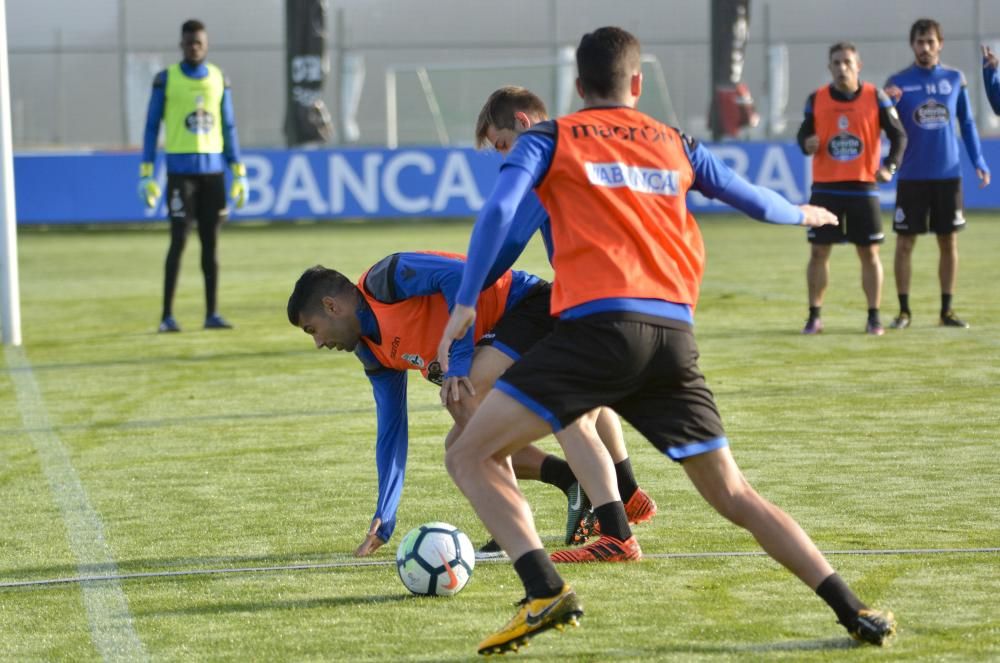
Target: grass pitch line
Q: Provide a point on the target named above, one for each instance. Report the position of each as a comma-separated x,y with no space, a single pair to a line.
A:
357,563
111,626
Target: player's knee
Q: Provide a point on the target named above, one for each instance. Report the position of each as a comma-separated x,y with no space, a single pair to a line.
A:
452,435
819,252
457,461
904,244
462,411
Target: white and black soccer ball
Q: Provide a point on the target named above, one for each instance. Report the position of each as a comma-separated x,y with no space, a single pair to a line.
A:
435,559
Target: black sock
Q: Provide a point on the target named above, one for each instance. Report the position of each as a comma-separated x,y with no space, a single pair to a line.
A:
945,303
840,598
613,520
626,480
904,304
538,574
873,315
556,472
814,312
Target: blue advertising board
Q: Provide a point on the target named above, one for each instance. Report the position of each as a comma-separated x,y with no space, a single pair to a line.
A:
101,187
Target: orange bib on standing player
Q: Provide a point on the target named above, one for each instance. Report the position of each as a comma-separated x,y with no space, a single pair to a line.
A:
615,192
411,329
848,131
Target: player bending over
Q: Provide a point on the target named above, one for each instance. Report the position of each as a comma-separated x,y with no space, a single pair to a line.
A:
392,320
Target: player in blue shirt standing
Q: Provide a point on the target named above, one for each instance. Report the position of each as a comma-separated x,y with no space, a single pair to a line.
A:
930,98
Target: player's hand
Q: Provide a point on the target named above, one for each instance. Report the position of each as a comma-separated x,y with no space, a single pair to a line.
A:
462,317
894,91
815,217
372,540
811,144
883,174
990,58
452,389
984,177
238,190
149,188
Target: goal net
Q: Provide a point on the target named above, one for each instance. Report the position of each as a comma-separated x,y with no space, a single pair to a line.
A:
437,104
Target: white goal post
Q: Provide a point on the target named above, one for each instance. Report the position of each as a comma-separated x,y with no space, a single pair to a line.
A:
447,97
10,301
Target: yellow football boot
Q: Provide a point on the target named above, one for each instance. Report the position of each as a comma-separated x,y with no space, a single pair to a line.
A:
534,616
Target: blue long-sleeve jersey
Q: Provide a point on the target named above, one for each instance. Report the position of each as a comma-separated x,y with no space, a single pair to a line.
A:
190,164
499,221
932,102
991,82
393,279
531,217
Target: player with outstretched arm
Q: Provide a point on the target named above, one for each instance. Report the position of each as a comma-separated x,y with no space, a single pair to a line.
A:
628,260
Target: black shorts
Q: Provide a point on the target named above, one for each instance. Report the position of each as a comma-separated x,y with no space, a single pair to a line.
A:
201,197
520,328
859,219
940,201
644,368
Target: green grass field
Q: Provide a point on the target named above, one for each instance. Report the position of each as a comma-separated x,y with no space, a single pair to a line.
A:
127,452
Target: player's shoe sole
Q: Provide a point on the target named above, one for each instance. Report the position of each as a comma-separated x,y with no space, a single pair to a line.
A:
873,626
490,550
534,616
605,549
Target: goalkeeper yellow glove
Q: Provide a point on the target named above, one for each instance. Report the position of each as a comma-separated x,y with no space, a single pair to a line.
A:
149,189
238,190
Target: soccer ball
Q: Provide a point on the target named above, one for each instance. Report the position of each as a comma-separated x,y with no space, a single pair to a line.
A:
435,559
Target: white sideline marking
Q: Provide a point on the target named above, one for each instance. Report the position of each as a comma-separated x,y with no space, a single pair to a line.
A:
111,627
357,563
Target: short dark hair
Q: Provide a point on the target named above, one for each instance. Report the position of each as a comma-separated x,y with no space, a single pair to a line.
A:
192,25
315,283
605,61
922,25
498,111
842,46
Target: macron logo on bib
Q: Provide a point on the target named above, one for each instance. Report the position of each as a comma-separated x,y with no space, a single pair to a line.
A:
641,180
